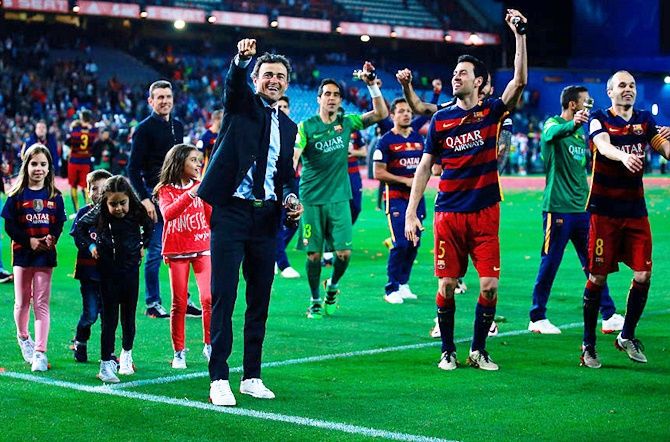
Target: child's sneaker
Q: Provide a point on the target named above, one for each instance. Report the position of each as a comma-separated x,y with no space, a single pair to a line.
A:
108,372
40,362
126,366
27,346
80,351
207,351
179,360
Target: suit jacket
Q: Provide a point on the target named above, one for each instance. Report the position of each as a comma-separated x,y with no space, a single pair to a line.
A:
244,129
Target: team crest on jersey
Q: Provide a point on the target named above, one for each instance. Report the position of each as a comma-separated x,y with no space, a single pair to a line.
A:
637,129
441,264
51,205
338,129
38,205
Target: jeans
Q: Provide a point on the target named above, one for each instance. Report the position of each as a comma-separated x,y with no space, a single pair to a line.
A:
152,265
91,308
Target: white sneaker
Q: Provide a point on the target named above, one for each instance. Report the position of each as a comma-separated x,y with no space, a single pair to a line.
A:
493,330
614,323
290,273
393,298
633,347
405,292
179,360
448,361
207,351
220,393
255,387
27,348
435,331
39,362
126,366
543,327
481,359
108,372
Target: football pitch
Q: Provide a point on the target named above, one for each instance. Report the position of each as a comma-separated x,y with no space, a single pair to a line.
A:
370,371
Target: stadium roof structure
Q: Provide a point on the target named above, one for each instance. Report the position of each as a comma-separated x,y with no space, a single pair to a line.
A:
134,11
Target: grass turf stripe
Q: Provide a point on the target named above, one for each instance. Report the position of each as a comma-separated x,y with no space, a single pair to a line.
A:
296,420
321,358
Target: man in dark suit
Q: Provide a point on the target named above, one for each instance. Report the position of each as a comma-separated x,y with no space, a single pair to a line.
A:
250,174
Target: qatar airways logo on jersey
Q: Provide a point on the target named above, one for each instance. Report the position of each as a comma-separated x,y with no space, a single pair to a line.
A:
636,149
465,141
331,144
410,163
37,218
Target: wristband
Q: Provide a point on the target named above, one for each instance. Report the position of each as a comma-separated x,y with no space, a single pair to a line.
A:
374,91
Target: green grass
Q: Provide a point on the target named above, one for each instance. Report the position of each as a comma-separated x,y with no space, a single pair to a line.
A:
540,393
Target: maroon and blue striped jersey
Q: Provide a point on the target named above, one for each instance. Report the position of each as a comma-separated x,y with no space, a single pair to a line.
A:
86,267
80,141
356,143
465,144
616,191
208,140
401,156
32,214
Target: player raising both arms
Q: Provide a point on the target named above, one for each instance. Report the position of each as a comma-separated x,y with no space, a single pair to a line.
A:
619,229
467,214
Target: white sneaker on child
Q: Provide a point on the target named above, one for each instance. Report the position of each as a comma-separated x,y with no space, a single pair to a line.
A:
108,372
179,359
40,362
207,351
126,365
27,348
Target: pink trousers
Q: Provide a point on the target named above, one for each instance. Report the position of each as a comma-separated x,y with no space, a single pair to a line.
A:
33,284
179,272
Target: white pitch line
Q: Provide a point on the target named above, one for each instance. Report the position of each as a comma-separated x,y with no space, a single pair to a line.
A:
321,358
276,417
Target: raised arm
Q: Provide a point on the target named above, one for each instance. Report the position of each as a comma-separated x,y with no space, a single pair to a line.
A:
236,90
515,87
379,110
419,107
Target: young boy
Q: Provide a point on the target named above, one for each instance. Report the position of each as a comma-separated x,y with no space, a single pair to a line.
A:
86,272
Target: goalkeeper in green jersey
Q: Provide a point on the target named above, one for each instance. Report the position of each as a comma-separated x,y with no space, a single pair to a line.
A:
322,145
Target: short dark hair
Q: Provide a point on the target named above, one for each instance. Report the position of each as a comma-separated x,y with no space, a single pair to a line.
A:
160,84
286,99
395,102
86,115
326,81
571,93
271,58
479,67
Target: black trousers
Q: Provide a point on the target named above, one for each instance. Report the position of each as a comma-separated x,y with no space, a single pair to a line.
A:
118,292
241,235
